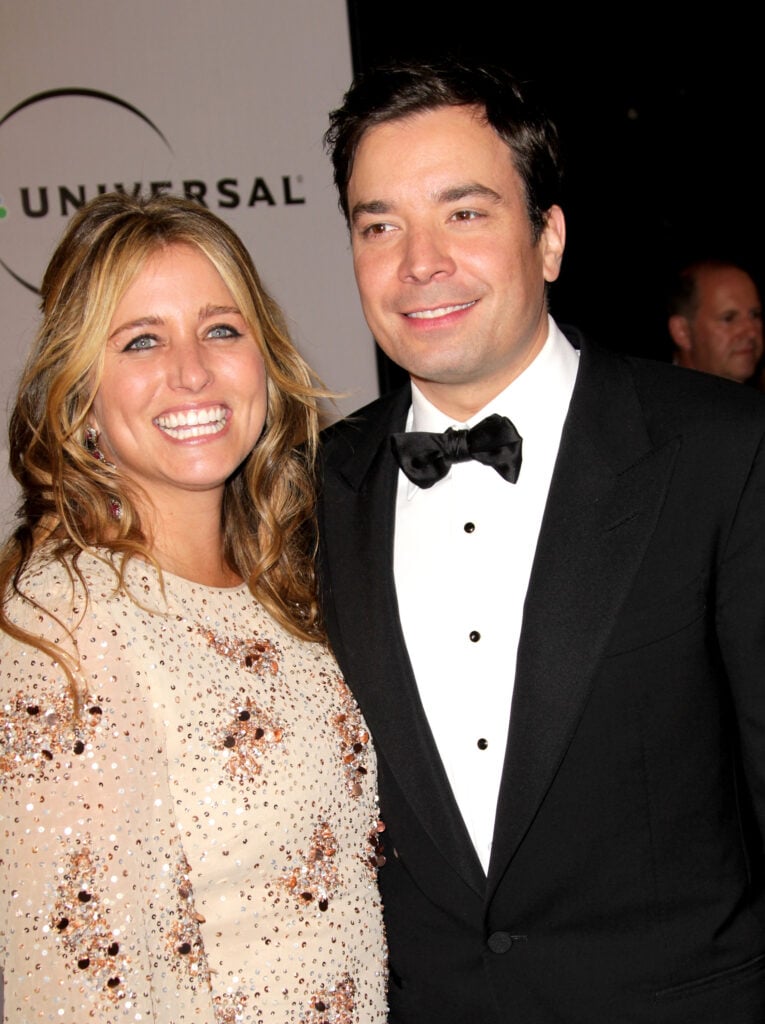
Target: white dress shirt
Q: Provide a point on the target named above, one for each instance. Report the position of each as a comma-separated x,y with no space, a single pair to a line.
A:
462,559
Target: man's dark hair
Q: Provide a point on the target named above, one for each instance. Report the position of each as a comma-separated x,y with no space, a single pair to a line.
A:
401,90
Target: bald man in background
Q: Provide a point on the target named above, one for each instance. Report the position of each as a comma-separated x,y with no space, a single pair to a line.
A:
715,320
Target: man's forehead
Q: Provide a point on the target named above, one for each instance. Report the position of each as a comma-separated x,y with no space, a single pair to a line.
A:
425,131
716,282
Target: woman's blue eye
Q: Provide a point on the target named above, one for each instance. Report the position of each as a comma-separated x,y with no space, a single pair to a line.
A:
224,331
143,342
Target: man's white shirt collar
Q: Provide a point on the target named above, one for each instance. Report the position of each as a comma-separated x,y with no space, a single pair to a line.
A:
531,401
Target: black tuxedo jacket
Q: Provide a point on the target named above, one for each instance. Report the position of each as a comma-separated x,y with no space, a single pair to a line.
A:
626,879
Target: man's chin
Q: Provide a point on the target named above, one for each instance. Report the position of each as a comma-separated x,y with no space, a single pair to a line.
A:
740,368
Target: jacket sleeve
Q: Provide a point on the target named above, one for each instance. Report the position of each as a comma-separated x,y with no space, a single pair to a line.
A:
740,611
96,912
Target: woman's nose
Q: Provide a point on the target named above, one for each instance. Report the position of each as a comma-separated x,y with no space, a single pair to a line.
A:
190,366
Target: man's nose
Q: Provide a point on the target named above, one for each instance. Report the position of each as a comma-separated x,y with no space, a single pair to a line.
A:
426,255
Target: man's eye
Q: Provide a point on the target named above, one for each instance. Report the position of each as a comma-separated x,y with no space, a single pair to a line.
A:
376,229
466,215
141,343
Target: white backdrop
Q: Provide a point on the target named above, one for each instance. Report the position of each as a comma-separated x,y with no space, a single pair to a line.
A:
231,96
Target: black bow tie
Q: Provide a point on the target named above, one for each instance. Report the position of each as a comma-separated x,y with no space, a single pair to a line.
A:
426,458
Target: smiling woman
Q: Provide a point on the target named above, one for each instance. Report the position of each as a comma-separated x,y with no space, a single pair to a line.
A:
188,791
182,397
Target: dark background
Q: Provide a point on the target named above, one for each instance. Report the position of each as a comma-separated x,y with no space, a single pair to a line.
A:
660,115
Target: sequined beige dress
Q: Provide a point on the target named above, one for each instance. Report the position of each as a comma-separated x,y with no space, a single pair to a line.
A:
201,845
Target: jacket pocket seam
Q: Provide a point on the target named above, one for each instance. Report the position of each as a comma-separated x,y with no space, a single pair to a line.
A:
712,981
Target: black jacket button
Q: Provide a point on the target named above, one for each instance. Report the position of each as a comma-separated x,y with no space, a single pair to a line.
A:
500,942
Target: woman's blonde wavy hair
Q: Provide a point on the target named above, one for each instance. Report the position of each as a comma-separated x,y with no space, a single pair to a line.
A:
269,502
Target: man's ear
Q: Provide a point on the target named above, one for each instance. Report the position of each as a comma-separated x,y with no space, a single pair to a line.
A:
680,331
553,243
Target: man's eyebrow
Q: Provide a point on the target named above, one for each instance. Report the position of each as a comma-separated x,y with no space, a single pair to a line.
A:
451,194
374,206
470,189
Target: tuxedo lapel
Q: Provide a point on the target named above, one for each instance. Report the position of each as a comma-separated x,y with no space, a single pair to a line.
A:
605,497
358,510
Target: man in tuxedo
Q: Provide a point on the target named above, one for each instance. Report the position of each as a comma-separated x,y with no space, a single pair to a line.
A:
543,574
715,319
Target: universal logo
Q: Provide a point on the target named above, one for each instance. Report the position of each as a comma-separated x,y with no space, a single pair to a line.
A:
115,144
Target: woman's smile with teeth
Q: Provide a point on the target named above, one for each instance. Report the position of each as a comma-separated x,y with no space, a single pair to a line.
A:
193,422
430,314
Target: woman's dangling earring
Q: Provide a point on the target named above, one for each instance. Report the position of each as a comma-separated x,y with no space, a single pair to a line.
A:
115,508
91,445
